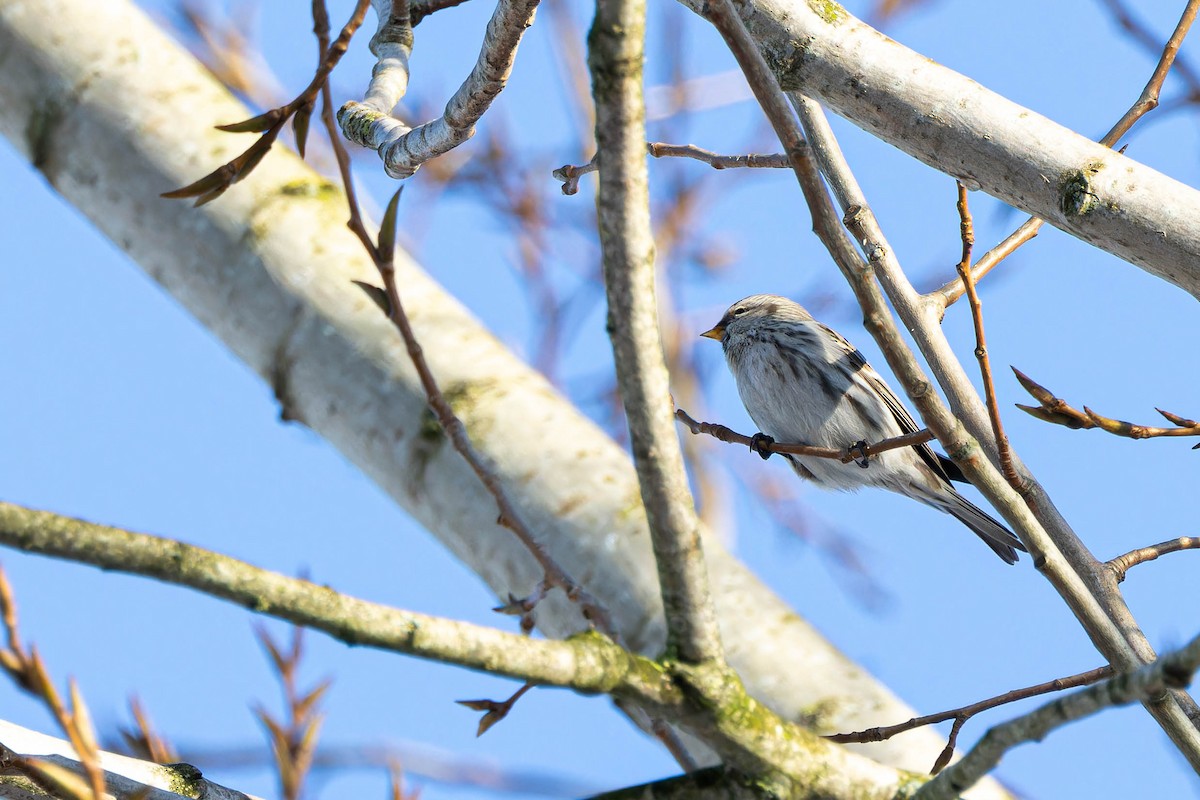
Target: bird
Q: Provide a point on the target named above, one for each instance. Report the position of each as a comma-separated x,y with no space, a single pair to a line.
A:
803,383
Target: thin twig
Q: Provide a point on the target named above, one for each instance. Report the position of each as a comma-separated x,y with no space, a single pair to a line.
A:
1147,39
952,290
570,174
1055,410
716,160
509,517
143,740
961,715
1172,671
495,710
1121,564
27,669
858,452
1003,450
293,740
213,185
767,92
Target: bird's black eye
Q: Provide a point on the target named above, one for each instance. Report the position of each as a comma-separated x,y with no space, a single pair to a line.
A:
737,312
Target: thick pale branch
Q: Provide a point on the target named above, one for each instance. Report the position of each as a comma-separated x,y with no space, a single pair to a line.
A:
726,718
616,52
125,778
574,664
404,149
1146,102
955,125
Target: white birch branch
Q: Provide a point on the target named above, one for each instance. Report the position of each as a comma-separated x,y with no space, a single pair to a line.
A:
957,126
125,778
404,149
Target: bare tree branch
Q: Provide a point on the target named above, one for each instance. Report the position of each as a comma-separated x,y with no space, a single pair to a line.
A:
1055,410
1172,671
1123,563
716,160
961,715
616,51
859,452
955,125
1146,102
404,149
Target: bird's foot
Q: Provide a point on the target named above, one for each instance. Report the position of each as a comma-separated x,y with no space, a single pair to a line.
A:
758,443
858,451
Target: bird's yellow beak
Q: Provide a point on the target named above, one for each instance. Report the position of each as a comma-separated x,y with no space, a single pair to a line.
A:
715,332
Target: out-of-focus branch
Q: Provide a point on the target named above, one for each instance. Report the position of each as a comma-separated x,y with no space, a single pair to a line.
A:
28,671
716,160
1172,671
616,52
124,778
402,148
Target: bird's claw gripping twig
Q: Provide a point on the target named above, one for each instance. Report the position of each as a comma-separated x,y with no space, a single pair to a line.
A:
759,443
860,448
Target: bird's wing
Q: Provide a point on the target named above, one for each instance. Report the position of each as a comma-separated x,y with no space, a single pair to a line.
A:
941,466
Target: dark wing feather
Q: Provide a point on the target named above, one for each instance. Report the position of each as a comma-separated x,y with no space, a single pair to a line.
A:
943,467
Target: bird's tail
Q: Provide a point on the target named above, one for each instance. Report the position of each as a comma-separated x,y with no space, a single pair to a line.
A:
993,533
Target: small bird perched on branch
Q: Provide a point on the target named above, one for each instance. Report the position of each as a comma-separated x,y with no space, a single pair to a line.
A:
803,383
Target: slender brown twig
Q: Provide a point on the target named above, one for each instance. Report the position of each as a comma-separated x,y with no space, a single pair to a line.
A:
383,254
961,715
28,671
1122,564
143,741
570,174
950,293
967,232
1147,39
293,740
716,160
1054,409
269,124
857,452
495,710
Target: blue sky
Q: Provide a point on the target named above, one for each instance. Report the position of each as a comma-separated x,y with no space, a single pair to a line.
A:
123,410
